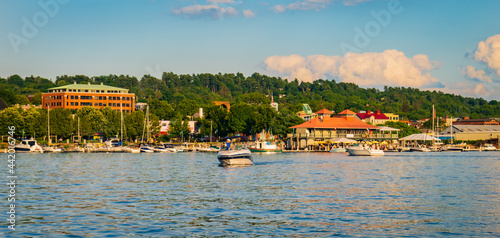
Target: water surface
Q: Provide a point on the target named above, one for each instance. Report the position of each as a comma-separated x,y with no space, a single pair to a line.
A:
303,194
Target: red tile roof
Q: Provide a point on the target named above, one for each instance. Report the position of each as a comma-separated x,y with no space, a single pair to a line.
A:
347,111
336,123
377,115
324,111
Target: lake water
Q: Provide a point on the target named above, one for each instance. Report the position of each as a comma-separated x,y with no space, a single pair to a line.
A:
306,194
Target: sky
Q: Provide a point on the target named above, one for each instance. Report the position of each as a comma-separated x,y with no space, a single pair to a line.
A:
450,46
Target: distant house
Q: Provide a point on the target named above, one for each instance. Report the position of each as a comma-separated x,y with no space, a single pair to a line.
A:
347,113
165,127
392,116
306,113
374,118
140,106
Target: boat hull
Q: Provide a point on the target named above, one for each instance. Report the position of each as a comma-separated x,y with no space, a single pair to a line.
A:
358,151
418,149
338,150
235,157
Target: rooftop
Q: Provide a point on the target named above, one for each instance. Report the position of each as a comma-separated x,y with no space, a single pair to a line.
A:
89,87
347,112
377,115
336,123
324,111
475,128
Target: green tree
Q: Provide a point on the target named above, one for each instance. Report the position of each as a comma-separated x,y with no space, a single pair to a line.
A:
178,127
111,125
22,100
61,123
31,122
134,124
91,120
405,129
162,109
11,117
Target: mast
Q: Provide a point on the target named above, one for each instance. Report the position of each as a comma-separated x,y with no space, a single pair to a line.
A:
79,129
147,119
433,128
48,123
211,131
121,124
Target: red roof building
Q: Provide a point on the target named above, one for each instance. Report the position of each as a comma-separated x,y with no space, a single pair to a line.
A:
337,123
374,118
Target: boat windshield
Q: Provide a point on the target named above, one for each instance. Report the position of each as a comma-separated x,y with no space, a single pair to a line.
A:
31,143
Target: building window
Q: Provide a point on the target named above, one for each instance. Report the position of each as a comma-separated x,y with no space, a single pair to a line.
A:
76,103
72,104
86,91
67,104
100,104
100,97
95,104
104,104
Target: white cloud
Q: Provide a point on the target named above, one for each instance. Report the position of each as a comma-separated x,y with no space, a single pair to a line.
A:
390,67
488,51
471,73
248,13
305,5
221,1
201,11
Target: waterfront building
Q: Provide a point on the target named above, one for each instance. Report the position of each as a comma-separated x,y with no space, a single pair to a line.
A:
374,118
471,132
76,96
484,121
339,126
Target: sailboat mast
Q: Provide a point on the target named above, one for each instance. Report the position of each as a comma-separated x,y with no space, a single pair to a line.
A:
121,123
451,127
433,128
48,124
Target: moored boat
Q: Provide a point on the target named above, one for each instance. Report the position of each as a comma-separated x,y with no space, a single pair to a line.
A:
338,150
420,149
146,148
28,146
241,156
488,147
265,147
364,151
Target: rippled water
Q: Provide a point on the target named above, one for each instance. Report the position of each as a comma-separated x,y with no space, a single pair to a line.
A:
306,194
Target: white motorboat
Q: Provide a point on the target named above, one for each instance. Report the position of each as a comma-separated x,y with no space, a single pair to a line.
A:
488,147
420,149
52,149
235,157
28,146
338,150
364,151
163,149
146,149
131,150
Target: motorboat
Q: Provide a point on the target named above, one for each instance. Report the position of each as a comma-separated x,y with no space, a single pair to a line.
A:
419,149
265,147
164,149
146,148
338,150
364,151
51,149
239,156
488,147
131,150
209,149
28,146
452,148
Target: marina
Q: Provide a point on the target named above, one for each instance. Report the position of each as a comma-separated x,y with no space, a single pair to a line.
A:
284,194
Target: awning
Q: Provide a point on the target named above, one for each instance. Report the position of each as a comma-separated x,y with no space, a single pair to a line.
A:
342,140
386,128
422,136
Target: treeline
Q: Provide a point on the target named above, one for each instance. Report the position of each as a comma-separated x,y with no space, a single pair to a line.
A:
184,94
86,121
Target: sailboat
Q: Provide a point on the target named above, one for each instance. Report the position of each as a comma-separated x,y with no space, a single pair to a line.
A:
451,146
146,148
49,148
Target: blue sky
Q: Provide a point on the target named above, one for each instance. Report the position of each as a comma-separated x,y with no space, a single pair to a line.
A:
432,45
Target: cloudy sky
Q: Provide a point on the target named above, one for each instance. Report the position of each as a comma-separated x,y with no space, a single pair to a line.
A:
452,46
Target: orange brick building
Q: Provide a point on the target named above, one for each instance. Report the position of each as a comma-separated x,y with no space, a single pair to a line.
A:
75,96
